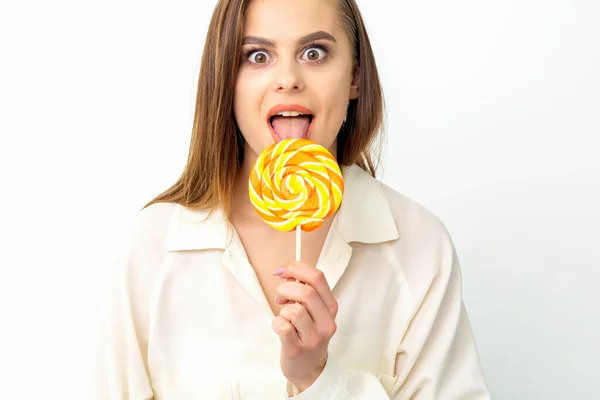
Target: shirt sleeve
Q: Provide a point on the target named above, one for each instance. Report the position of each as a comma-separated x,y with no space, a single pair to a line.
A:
122,372
436,359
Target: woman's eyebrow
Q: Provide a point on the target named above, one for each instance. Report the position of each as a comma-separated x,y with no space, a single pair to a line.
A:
311,37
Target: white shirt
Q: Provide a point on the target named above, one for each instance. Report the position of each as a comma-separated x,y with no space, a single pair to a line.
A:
190,320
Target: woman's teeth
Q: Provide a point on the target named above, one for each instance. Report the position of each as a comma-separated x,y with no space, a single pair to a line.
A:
290,114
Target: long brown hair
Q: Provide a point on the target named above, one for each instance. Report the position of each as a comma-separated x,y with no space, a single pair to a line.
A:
217,146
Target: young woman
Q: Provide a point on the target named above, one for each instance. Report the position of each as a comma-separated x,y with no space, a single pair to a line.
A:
209,304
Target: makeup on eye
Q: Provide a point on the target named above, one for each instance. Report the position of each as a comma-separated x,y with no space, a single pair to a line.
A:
325,48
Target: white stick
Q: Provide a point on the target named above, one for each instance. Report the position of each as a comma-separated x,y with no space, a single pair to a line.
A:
298,243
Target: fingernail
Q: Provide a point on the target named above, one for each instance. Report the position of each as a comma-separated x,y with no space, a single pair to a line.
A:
278,271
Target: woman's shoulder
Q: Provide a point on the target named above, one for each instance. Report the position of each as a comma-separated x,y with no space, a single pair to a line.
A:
170,226
153,220
141,248
412,218
150,227
425,247
412,238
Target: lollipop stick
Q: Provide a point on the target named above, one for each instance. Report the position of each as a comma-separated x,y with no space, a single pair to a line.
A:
298,243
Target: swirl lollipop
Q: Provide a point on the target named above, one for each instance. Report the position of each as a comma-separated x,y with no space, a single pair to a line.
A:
296,184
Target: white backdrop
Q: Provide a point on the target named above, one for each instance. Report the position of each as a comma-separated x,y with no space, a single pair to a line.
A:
492,124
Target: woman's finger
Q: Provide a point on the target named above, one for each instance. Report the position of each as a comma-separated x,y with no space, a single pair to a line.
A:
313,277
306,296
286,331
305,327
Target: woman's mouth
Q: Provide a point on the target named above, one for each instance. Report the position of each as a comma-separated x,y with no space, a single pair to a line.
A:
290,122
291,126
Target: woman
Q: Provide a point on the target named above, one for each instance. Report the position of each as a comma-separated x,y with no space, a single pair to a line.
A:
209,305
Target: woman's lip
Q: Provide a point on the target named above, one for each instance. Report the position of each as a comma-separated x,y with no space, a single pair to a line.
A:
276,137
289,107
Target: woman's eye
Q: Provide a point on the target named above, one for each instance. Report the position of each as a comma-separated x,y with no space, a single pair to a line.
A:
258,57
314,53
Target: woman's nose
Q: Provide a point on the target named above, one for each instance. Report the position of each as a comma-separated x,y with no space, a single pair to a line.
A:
288,76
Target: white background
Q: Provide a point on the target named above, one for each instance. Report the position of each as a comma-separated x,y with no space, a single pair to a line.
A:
493,124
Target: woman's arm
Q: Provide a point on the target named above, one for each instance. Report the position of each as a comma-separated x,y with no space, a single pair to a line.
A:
122,372
436,359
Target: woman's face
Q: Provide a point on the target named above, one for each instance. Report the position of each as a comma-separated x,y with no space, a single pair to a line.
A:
296,58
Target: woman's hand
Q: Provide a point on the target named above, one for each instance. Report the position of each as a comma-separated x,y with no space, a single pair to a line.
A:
304,327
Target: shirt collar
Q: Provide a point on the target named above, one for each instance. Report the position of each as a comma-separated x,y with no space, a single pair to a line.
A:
364,216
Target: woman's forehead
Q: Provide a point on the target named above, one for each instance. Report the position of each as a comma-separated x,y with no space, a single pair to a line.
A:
289,20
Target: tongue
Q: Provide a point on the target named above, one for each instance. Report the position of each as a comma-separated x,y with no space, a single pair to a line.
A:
291,127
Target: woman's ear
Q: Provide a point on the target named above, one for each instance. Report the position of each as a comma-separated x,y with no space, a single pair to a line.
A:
354,85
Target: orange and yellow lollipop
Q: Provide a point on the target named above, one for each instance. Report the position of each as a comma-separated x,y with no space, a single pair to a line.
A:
296,184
